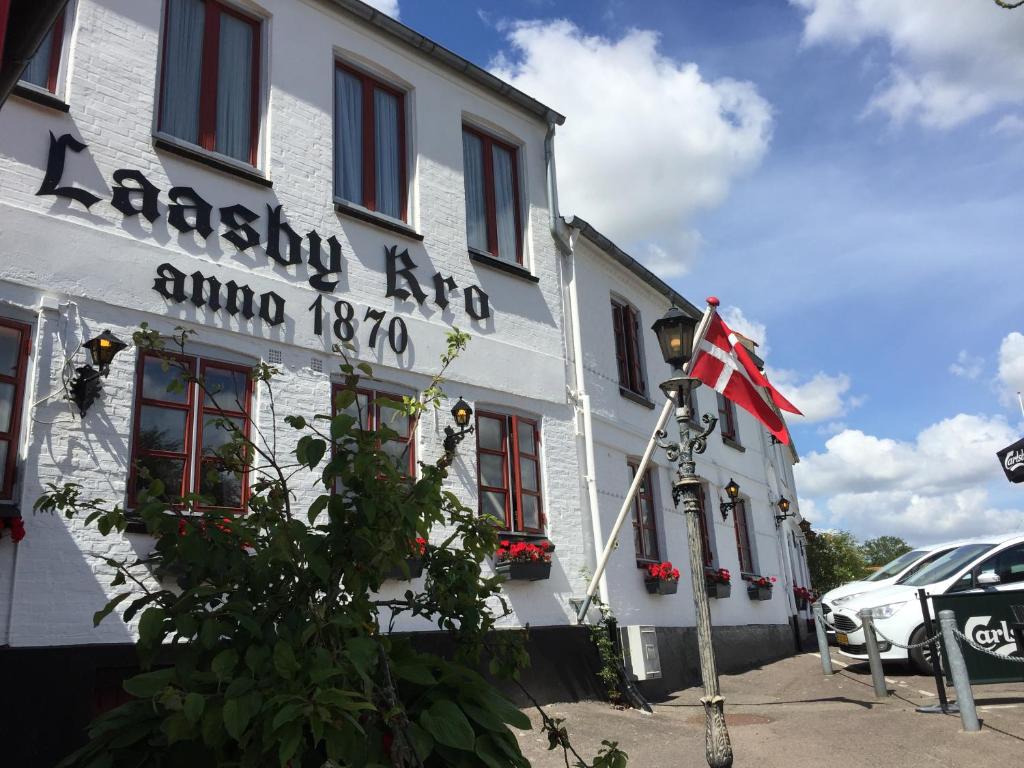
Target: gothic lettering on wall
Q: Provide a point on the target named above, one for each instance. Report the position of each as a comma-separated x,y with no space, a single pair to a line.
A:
205,291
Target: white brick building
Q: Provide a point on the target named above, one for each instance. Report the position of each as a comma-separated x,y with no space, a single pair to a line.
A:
350,174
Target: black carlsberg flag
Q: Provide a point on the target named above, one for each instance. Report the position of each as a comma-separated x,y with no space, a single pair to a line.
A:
1012,459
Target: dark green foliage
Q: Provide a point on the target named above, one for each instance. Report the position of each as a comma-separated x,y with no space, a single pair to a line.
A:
834,558
884,549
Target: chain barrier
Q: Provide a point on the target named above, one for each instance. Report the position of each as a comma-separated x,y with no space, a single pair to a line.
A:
912,646
834,628
963,638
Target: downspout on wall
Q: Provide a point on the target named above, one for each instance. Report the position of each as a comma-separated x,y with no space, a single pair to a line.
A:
564,237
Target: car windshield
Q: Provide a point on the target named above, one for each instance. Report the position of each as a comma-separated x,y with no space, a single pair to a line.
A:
896,566
946,566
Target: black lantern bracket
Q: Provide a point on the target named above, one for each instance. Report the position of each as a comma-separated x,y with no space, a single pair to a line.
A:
86,387
783,504
732,490
462,413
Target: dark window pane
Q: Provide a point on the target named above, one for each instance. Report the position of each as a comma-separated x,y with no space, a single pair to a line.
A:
6,406
476,200
526,439
37,71
388,157
161,429
234,88
348,137
489,433
493,503
169,471
155,380
492,471
531,512
528,474
217,433
183,59
398,450
505,204
10,347
219,487
650,543
226,389
4,446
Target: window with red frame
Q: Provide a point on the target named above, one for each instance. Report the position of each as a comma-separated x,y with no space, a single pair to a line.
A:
369,143
628,348
210,83
727,418
491,177
645,526
741,525
14,347
44,66
178,430
508,467
707,555
372,415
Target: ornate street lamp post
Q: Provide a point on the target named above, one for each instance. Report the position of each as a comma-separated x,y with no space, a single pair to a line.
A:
675,333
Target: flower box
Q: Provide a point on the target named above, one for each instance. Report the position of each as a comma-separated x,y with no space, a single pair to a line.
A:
759,593
661,586
415,566
719,590
523,571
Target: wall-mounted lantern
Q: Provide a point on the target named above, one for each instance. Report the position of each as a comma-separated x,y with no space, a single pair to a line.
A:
86,387
732,490
783,505
462,414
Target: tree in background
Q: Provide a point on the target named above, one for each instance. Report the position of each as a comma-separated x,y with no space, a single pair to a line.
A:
834,558
884,549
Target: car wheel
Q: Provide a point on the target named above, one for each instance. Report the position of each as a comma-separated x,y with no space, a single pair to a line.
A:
921,657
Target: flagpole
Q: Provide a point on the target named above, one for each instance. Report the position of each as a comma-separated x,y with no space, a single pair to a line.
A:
1021,401
602,563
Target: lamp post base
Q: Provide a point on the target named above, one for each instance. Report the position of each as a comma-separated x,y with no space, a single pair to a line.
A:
717,747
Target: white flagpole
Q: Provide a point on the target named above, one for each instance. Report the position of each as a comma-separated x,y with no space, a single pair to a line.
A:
602,563
1021,401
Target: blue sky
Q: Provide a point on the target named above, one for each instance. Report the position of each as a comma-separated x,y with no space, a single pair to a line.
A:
848,177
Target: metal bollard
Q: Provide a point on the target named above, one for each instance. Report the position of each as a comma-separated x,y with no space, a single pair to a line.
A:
958,669
874,660
819,629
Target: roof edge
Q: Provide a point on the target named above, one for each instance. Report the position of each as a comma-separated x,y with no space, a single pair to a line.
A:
634,266
446,58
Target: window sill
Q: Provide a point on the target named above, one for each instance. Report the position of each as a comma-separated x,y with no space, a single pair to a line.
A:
642,564
377,219
636,398
211,159
733,444
502,266
40,97
9,511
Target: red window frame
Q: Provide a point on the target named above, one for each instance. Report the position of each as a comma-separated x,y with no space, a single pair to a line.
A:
727,417
209,73
5,12
628,347
644,497
488,142
369,148
373,419
18,380
56,50
742,528
511,456
196,410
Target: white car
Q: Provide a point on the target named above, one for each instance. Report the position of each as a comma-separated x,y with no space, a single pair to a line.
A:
984,564
903,566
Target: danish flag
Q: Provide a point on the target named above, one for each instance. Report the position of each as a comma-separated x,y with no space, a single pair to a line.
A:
724,364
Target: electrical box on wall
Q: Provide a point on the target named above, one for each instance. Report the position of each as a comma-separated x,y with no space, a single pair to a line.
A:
640,652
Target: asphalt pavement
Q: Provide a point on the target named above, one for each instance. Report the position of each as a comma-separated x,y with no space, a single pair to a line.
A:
789,715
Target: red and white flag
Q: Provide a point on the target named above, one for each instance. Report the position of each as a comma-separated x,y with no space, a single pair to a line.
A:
724,364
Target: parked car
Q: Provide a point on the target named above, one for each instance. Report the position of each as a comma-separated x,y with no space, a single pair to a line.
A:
903,566
982,565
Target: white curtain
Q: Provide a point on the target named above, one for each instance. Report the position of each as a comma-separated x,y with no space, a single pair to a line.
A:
476,204
37,71
179,105
234,88
348,137
505,204
388,158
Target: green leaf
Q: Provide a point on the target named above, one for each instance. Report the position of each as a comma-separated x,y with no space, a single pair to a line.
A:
295,421
341,425
236,717
194,705
504,709
422,741
414,672
286,714
484,717
151,626
177,727
289,742
318,506
490,753
284,659
224,663
362,651
110,606
365,368
149,683
448,725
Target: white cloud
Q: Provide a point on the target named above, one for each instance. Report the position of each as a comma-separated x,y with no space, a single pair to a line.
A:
951,60
933,488
1010,125
648,141
390,7
752,329
967,366
821,397
1011,364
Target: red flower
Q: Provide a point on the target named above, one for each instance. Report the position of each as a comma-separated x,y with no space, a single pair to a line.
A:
419,546
773,579
662,572
17,526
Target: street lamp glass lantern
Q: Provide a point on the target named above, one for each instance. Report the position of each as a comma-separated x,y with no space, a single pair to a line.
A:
462,412
103,348
732,489
784,505
675,336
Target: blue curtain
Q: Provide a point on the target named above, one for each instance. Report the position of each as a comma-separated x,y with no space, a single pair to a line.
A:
234,88
476,203
179,105
505,204
388,154
348,137
37,71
